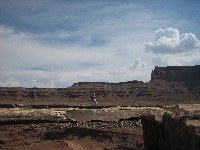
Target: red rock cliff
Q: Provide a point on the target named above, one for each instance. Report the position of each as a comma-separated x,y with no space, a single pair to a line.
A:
190,75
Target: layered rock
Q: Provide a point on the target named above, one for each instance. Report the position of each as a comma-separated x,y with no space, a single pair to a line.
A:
167,84
164,128
190,75
118,92
76,114
60,128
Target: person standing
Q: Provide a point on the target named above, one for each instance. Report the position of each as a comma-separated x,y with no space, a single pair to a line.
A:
93,97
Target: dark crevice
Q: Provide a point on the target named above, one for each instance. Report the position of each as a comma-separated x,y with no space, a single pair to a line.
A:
16,122
51,106
131,119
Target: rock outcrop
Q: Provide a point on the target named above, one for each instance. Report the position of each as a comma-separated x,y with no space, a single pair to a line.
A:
77,114
189,75
66,128
178,129
164,128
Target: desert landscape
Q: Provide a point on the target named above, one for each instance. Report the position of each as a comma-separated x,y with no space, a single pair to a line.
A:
162,114
99,75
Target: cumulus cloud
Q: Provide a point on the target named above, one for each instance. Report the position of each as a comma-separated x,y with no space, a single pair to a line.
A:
179,59
120,71
170,41
137,65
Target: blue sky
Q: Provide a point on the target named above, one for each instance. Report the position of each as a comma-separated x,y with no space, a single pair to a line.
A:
57,43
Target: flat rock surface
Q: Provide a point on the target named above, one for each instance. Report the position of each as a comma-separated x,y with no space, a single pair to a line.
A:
76,114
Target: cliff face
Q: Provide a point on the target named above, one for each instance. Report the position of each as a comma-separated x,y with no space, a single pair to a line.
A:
190,75
125,91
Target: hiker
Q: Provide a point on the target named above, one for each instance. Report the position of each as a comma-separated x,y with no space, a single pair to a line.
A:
93,97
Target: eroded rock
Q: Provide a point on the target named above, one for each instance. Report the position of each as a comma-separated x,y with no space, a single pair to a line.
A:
177,130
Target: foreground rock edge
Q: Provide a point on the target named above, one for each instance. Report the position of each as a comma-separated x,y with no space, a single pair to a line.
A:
177,129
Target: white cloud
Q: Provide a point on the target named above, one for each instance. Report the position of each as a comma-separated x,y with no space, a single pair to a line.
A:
180,59
39,84
33,63
120,71
63,50
167,60
34,83
10,83
170,41
174,49
51,84
138,64
96,74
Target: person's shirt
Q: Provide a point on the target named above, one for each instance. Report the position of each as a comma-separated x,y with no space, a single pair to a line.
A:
94,96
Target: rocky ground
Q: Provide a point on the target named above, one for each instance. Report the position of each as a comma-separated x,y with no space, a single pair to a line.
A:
62,136
75,128
100,128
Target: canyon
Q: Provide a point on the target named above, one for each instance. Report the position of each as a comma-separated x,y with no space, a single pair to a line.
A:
162,114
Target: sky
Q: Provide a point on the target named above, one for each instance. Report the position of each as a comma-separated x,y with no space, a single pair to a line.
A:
55,43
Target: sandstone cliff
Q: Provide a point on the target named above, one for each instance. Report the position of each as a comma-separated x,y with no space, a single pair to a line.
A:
190,75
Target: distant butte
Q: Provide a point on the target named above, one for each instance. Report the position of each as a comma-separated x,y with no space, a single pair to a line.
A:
189,75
